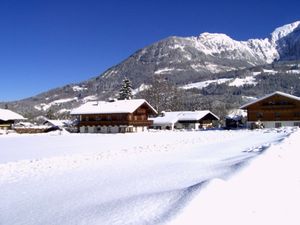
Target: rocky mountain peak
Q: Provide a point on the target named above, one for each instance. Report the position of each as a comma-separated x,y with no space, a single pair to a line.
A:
284,31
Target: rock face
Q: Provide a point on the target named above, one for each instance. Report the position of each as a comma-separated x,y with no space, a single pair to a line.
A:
180,61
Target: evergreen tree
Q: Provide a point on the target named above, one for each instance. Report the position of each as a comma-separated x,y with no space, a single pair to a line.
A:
126,90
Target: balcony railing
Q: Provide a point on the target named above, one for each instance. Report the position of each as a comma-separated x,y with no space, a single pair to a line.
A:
277,106
116,123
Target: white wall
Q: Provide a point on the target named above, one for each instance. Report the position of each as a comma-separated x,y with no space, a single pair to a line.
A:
187,125
271,124
108,129
82,129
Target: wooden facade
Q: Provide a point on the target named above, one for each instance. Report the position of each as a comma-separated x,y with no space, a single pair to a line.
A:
116,122
6,125
275,110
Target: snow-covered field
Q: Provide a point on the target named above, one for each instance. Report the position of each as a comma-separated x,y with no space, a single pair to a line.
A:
191,177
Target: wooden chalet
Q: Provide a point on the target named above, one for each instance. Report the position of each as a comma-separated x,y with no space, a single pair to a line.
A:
273,111
185,120
8,118
118,116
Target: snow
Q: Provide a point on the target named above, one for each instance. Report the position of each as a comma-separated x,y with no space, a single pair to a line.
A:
238,82
217,68
293,71
61,111
236,114
267,191
60,101
214,68
270,71
138,178
59,123
79,88
177,46
118,106
142,87
249,98
6,115
110,73
89,98
166,70
214,44
204,84
256,73
45,106
283,31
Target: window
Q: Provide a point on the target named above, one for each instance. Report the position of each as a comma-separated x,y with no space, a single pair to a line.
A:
259,115
297,124
297,114
277,125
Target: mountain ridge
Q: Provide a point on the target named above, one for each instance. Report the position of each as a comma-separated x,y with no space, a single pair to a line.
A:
180,60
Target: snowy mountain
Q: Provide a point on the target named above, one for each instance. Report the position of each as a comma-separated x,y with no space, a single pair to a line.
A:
181,61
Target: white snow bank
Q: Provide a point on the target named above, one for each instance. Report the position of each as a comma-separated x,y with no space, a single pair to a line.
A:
238,82
265,192
120,179
204,84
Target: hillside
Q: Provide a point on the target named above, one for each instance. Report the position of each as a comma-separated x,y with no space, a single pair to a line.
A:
210,71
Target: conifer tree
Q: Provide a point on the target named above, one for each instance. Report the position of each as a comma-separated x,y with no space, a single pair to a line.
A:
126,90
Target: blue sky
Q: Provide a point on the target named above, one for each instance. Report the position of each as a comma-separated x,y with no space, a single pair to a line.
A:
47,44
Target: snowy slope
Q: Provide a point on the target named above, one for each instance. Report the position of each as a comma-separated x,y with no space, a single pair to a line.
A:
142,178
265,192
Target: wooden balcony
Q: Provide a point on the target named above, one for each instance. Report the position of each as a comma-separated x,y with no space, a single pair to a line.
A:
277,107
145,123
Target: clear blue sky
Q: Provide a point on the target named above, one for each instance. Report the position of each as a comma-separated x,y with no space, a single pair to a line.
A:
47,44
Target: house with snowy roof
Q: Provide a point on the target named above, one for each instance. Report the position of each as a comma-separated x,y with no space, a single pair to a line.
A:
8,118
185,120
274,110
116,116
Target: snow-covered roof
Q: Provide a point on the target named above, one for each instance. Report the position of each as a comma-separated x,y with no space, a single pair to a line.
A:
267,96
6,115
59,123
236,114
118,106
173,117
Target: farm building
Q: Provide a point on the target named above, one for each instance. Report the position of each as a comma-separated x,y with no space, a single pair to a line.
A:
185,120
273,111
8,118
117,116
